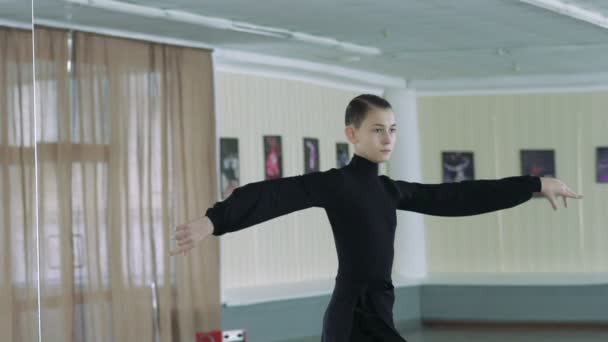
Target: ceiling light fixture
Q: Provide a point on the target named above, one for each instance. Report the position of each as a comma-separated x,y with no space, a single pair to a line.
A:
571,10
224,24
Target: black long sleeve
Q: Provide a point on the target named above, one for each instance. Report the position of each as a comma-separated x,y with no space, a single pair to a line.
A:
257,202
467,197
361,207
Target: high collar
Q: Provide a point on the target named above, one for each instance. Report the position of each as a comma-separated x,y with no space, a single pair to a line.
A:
363,166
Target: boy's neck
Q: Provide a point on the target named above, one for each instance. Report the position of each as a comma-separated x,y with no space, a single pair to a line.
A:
363,165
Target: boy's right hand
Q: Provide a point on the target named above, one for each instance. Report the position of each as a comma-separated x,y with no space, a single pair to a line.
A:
187,235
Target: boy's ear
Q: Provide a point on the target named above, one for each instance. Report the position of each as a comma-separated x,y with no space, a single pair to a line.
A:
349,131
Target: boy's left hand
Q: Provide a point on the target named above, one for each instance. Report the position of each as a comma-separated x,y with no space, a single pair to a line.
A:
553,187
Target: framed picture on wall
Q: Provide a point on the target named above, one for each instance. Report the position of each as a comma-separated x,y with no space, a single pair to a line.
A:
342,154
540,163
457,166
273,157
311,155
229,166
602,164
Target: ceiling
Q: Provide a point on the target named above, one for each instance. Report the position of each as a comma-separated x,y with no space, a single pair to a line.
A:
418,40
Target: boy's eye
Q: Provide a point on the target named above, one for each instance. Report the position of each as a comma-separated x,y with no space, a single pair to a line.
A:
379,130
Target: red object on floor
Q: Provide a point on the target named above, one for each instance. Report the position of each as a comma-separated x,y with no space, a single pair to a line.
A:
222,336
209,336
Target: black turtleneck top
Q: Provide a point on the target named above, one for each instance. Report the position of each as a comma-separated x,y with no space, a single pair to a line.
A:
361,206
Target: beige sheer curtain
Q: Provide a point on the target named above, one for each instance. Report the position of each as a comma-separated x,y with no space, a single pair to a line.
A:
18,260
126,152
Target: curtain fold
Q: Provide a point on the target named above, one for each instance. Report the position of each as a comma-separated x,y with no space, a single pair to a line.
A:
18,258
126,151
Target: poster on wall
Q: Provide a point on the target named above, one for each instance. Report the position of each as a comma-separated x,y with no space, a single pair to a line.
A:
273,157
229,166
342,154
539,163
311,155
457,166
602,164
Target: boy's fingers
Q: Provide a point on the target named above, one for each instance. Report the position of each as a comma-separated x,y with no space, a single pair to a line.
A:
176,232
565,203
181,250
184,242
576,195
552,201
182,235
572,194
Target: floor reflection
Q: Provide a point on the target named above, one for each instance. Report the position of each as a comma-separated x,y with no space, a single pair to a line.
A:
497,334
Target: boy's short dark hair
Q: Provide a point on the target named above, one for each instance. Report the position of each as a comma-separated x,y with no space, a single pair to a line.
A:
359,106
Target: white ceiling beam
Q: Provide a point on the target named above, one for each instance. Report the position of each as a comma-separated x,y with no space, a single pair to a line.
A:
520,84
225,24
233,61
571,10
16,24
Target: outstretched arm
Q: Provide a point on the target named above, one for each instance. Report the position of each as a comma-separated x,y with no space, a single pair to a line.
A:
479,196
255,203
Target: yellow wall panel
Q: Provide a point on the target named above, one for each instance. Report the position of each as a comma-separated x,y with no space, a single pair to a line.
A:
531,237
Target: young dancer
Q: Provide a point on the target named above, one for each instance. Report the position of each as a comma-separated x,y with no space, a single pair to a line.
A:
361,206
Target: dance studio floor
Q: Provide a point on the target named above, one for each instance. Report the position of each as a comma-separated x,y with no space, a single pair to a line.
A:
494,334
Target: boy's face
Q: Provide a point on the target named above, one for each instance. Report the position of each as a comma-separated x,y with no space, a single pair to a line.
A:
375,138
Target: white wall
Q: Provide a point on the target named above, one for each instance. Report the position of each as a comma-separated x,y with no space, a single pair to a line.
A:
299,246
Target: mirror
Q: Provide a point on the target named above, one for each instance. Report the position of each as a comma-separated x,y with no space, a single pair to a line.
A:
128,145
